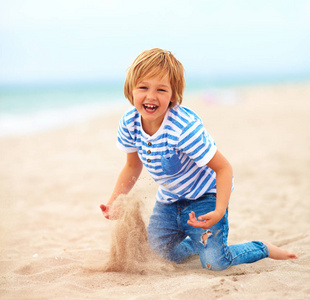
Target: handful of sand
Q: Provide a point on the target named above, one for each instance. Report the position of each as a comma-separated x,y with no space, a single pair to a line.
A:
129,251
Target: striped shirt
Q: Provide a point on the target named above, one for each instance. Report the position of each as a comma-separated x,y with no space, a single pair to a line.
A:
176,155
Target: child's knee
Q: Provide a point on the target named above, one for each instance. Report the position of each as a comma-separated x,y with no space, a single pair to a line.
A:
215,265
213,261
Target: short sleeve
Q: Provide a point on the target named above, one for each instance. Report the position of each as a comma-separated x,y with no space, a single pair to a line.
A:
125,138
196,142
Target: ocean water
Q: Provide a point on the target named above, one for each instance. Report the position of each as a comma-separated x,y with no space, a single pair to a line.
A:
33,108
30,109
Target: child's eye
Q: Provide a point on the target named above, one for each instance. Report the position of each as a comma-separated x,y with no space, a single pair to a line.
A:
142,87
162,90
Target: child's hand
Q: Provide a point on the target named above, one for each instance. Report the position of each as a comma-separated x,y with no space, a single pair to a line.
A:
205,221
105,210
110,212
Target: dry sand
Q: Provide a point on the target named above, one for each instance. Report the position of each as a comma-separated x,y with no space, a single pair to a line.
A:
55,243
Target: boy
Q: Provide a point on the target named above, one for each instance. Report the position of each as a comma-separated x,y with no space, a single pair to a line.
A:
194,178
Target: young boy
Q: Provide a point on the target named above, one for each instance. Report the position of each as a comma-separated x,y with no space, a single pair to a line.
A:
194,178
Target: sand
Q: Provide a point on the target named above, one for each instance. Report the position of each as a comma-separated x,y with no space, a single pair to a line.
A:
55,243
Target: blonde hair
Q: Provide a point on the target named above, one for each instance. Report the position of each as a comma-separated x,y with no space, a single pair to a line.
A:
156,62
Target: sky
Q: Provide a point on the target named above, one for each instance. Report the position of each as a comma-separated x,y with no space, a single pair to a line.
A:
94,40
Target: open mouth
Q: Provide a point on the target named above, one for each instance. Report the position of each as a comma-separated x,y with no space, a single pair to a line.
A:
150,107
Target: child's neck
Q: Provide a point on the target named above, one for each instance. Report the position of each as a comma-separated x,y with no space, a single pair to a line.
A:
150,127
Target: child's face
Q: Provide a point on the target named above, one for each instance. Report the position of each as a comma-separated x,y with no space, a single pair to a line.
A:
152,97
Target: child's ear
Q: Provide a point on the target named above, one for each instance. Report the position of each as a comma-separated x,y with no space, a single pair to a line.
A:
172,102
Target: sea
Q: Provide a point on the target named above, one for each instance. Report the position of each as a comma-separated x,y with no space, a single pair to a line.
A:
31,108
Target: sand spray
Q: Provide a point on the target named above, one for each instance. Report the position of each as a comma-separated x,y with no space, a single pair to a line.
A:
129,250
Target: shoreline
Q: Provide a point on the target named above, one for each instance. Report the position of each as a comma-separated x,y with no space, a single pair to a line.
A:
49,119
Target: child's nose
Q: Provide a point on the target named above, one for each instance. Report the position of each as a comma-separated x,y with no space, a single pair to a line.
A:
151,94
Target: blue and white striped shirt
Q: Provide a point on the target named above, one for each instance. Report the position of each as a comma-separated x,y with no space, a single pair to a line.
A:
176,155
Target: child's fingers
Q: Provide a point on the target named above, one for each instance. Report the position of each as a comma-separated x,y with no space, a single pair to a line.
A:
103,207
192,216
205,217
105,210
197,224
193,221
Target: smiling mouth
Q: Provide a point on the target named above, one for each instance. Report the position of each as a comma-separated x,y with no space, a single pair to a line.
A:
149,107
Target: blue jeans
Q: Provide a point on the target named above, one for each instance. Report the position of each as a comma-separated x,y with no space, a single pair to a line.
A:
170,236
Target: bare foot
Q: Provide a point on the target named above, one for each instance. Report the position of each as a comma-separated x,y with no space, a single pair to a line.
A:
278,253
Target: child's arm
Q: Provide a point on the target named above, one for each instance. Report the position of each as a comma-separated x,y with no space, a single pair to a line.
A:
224,174
126,180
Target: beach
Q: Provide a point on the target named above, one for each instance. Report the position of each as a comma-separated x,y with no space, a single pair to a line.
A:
55,241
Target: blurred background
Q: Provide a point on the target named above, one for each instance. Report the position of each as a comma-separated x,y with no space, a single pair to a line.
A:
64,61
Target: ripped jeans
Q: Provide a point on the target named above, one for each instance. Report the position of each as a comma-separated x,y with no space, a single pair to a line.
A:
171,237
